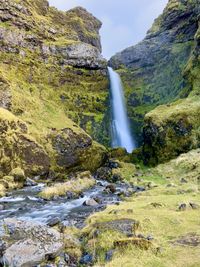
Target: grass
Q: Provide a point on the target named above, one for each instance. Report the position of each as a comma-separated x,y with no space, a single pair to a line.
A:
158,215
61,189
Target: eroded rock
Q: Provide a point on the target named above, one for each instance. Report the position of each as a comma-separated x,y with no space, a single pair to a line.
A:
29,243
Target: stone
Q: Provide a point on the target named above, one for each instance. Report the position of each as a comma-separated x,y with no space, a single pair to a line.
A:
190,239
111,188
104,173
150,237
76,150
30,182
1,207
125,226
53,221
109,255
90,202
2,248
194,206
86,259
30,243
183,181
182,207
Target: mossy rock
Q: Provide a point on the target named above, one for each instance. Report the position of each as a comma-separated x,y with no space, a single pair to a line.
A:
18,174
171,130
73,149
19,149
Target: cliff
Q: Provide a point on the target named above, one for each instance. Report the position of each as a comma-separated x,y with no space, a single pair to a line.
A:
152,71
52,79
161,69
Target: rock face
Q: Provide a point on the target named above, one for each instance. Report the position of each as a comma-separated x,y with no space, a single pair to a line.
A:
152,71
27,243
75,149
51,49
18,149
53,79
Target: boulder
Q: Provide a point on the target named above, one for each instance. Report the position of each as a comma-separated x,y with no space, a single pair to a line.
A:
30,182
76,149
90,202
18,175
29,243
19,149
53,221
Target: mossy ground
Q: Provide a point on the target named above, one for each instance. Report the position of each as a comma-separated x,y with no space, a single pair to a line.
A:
159,217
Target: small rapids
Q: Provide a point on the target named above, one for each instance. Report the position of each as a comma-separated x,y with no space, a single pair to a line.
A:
25,204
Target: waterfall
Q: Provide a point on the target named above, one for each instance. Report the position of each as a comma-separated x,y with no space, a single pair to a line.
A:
121,133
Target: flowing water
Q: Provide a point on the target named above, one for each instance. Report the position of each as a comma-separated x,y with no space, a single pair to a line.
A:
121,133
25,204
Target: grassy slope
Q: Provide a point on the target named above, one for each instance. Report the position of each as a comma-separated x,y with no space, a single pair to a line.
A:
165,223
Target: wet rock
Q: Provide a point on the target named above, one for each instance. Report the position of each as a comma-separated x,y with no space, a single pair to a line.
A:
90,202
104,173
2,248
53,221
194,206
182,207
1,207
30,243
71,195
116,177
110,188
112,164
30,182
87,259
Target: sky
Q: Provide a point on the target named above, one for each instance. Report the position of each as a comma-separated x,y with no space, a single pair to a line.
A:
125,22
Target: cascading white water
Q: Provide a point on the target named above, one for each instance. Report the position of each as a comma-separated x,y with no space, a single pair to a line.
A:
121,133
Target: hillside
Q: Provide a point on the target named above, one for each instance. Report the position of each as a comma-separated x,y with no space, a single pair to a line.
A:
52,78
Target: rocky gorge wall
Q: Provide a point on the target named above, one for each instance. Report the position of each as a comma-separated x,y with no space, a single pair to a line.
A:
52,80
161,69
152,71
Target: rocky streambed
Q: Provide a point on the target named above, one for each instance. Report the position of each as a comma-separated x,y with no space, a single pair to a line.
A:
23,209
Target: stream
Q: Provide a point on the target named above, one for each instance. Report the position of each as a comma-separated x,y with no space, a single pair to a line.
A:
25,204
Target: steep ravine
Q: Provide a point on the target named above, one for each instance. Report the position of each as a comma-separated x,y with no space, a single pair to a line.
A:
155,71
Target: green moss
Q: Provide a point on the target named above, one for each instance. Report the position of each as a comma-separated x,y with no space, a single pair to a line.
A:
18,175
